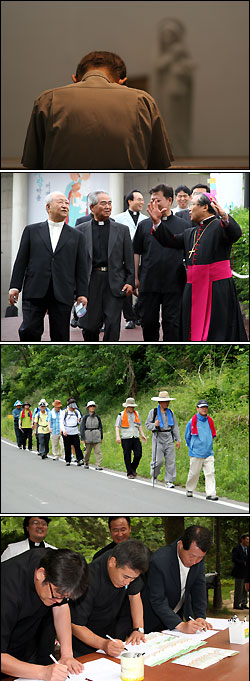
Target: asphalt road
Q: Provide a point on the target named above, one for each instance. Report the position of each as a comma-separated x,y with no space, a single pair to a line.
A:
31,485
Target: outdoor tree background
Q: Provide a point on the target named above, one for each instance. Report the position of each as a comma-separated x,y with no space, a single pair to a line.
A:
111,373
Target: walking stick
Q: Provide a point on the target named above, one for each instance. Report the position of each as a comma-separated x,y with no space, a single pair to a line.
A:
154,459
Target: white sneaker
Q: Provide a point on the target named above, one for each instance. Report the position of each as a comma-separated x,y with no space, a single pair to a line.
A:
55,458
169,485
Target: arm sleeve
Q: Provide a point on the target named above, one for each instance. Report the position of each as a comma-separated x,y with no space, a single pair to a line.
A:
188,433
161,154
150,422
21,261
232,231
33,152
128,255
81,271
167,239
198,593
158,598
176,432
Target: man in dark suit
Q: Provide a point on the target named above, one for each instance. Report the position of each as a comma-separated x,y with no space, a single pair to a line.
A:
110,269
185,214
240,557
176,584
51,266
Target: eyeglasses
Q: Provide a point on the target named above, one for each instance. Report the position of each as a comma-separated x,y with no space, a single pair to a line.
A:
38,522
56,597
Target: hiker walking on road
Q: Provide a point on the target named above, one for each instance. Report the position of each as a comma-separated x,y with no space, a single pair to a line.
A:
92,435
128,423
162,422
69,420
199,435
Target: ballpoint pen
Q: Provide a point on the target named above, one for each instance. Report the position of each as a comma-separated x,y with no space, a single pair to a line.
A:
113,639
56,662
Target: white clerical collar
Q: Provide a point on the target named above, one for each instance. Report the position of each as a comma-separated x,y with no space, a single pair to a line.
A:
166,217
55,224
100,222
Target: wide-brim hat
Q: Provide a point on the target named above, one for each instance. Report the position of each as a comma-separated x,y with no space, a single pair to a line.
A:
163,397
56,403
130,402
42,403
91,404
18,403
26,402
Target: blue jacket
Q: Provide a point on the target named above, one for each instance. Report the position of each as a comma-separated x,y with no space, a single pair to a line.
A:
200,445
16,413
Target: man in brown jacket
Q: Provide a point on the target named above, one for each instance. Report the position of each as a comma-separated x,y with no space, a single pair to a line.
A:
96,123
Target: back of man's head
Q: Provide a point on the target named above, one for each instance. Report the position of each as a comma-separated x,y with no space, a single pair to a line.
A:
132,553
200,535
109,61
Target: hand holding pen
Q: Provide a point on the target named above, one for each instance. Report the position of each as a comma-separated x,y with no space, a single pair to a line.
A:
58,672
114,646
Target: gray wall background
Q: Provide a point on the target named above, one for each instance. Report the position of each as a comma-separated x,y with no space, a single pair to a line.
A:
42,43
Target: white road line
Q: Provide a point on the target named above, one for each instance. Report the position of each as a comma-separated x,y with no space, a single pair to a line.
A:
148,483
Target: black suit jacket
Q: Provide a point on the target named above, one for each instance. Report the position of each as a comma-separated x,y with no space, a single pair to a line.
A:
36,264
184,214
240,560
165,587
120,255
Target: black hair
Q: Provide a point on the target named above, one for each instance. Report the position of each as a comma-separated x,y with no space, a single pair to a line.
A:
200,535
66,570
183,188
28,518
203,200
112,61
115,517
167,191
200,186
245,535
132,553
130,196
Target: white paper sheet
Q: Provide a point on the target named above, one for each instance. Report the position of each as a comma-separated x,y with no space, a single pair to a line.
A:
200,659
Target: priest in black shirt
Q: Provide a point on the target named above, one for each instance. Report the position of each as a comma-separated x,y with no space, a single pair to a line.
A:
112,576
110,270
32,583
120,530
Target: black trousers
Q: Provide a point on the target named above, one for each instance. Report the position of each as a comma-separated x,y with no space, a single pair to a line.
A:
103,307
43,439
27,435
70,440
170,304
34,310
129,445
19,437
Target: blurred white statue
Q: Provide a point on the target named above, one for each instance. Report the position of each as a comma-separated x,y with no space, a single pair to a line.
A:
172,84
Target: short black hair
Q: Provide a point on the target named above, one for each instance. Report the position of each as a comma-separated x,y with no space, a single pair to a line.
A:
132,553
245,535
28,518
200,535
167,191
67,570
200,186
130,196
182,188
116,517
112,61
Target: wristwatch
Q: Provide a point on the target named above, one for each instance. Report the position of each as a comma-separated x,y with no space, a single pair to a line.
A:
138,629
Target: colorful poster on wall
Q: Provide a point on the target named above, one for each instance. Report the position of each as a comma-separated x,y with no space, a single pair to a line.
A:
76,186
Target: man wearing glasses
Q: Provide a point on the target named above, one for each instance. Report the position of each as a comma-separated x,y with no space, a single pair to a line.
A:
31,583
35,530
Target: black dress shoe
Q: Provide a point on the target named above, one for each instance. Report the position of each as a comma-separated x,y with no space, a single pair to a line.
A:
130,325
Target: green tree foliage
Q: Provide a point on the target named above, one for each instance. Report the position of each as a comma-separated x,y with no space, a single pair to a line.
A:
240,254
88,534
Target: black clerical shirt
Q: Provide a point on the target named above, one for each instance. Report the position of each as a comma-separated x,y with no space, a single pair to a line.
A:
21,609
99,609
100,236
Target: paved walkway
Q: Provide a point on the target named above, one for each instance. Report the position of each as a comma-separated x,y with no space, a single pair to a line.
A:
10,326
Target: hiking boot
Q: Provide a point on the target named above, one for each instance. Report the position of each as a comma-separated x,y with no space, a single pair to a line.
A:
188,493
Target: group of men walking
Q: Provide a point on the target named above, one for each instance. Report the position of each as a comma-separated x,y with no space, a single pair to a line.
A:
62,425
104,260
